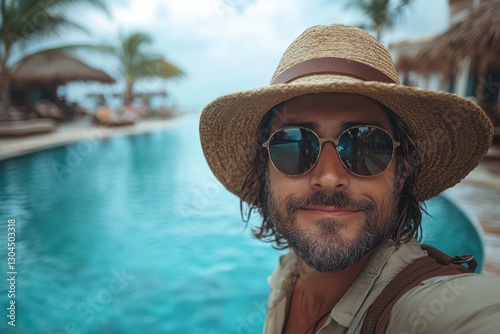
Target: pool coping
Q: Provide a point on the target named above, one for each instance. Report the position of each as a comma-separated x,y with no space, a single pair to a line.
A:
11,147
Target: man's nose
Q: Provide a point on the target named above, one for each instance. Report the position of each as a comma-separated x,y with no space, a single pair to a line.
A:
329,174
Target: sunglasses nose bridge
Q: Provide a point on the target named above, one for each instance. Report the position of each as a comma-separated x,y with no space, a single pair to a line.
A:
335,142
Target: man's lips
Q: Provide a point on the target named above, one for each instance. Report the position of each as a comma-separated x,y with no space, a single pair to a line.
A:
329,211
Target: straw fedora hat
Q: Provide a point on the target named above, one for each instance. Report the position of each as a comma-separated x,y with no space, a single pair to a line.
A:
452,134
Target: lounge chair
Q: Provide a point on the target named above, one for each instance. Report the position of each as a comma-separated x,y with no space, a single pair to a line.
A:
107,117
23,128
47,109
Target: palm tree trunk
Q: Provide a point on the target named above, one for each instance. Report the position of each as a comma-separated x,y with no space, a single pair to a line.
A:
481,80
378,32
483,95
129,97
5,93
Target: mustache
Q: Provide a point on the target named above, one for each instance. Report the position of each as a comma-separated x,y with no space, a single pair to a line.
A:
336,199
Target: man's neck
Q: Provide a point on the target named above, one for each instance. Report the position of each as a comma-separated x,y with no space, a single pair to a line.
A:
324,289
315,294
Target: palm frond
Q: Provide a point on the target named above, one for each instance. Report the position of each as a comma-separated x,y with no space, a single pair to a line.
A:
137,63
53,27
28,20
159,67
32,19
30,8
380,14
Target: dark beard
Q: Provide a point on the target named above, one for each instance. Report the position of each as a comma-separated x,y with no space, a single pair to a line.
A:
326,251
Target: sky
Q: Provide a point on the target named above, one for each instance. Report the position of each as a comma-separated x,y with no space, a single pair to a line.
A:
224,46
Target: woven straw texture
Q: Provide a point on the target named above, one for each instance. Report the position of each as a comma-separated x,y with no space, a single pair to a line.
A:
452,134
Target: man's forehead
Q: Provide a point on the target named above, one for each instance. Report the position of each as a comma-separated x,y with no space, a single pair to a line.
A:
331,109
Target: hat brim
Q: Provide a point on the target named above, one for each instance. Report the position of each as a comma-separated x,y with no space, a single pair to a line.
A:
452,134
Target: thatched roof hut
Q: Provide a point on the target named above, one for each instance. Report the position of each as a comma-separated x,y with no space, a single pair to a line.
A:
55,69
470,47
476,38
37,78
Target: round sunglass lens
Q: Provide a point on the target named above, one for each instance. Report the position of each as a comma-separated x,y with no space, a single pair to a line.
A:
365,151
294,151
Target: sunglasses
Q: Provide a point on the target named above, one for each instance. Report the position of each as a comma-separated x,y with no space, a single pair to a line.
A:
364,150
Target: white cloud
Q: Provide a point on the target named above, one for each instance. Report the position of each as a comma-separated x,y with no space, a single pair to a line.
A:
425,17
230,45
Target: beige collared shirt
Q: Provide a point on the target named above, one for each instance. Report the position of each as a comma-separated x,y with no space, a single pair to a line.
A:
409,314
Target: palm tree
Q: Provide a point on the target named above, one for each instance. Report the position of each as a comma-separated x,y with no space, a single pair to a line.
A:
381,14
23,23
136,63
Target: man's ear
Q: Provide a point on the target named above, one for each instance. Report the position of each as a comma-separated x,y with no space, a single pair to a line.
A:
404,173
401,182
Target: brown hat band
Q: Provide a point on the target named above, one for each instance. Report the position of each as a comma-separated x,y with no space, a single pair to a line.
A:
331,65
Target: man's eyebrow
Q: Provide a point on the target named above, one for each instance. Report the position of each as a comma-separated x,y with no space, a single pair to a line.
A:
347,125
315,126
309,125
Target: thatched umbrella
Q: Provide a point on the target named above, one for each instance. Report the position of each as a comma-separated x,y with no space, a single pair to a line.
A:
405,65
44,72
476,38
474,41
55,69
430,60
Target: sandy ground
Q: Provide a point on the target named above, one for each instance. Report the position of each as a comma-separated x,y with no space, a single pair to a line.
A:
478,193
75,131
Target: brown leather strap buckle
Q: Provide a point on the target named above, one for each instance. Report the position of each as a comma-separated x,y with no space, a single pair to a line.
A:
466,258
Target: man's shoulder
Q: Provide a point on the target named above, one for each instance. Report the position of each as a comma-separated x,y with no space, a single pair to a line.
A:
466,303
387,261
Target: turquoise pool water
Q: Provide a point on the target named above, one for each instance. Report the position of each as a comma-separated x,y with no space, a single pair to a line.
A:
134,235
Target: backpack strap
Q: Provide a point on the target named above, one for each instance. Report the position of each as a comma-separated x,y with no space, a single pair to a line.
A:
436,263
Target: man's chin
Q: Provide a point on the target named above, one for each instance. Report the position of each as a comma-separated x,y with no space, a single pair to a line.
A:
331,267
328,252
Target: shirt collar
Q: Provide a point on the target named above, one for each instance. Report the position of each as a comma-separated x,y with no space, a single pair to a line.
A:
351,302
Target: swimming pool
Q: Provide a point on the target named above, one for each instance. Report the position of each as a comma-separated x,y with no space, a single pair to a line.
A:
134,234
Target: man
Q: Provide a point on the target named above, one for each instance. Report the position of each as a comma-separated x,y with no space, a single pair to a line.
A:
337,157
